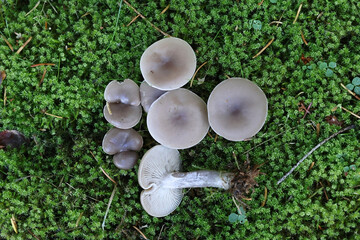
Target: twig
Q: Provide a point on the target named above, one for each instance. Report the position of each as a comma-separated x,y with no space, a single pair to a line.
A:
52,115
260,2
5,98
7,42
142,16
79,218
43,64
107,175
267,45
273,22
36,5
13,223
355,115
265,197
303,38
42,78
108,207
34,235
116,26
312,150
192,79
133,20
351,92
108,108
22,47
297,14
165,9
143,235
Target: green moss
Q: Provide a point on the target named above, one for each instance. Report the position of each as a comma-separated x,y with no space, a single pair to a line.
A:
54,186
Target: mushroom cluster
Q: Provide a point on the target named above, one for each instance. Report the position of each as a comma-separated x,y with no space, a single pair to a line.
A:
177,119
123,111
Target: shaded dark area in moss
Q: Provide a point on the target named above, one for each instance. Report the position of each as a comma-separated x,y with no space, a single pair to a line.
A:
54,186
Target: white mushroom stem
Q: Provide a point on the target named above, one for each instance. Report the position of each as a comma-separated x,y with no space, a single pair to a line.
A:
197,179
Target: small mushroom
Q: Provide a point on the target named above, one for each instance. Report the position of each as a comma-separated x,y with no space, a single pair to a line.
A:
162,183
123,144
178,119
148,95
237,109
122,108
168,64
126,92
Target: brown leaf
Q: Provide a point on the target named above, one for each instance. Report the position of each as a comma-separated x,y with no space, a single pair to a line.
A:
2,76
305,60
332,120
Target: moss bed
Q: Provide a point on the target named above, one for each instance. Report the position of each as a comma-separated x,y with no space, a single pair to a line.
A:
54,188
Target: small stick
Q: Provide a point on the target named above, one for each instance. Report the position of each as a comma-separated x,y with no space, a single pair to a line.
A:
267,45
36,5
161,231
79,218
34,235
52,115
13,223
355,115
108,108
327,198
265,197
42,78
7,42
192,79
216,137
107,175
311,166
143,235
158,29
43,64
5,98
133,20
303,38
108,207
351,92
260,3
165,9
312,150
273,22
298,13
22,47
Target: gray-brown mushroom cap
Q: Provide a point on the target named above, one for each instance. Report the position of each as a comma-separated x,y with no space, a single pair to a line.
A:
121,115
148,95
125,160
237,109
126,92
178,119
155,165
168,64
119,140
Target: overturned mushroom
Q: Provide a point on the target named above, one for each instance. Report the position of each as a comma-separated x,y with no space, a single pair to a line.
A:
168,64
122,108
162,183
237,109
11,139
123,144
178,119
148,95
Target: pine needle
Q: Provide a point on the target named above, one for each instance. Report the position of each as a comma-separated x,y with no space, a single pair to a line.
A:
267,45
22,47
108,207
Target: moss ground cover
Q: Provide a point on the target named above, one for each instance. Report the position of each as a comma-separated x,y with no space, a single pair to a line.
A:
53,187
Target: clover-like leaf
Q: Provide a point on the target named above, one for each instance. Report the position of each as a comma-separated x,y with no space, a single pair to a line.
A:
273,1
352,167
332,64
233,217
329,72
350,86
322,65
346,169
242,219
356,81
357,90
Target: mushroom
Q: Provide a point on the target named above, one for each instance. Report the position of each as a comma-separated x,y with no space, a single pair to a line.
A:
148,95
126,92
123,144
168,64
122,108
237,109
162,183
178,119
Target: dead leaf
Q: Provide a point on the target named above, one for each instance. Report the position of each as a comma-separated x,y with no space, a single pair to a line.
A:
332,120
305,60
11,138
2,76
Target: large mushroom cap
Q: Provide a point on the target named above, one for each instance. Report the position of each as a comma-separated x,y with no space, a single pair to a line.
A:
168,64
121,115
148,95
237,109
126,92
178,119
155,165
119,140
